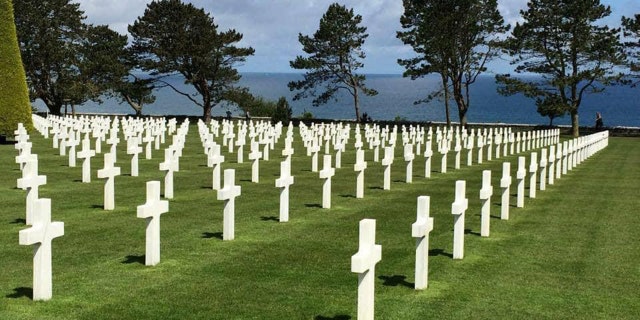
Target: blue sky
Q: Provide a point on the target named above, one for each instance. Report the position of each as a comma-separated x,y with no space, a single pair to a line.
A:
271,27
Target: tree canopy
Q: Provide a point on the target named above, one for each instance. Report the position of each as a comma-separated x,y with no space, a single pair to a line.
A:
173,37
573,55
631,27
335,54
453,38
65,60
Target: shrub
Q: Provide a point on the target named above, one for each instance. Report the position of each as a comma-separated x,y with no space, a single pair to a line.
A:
14,95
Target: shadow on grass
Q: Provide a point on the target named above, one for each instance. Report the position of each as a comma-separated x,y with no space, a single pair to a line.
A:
21,292
347,196
271,218
245,180
313,205
133,259
396,280
376,188
439,252
469,231
97,206
337,317
495,217
209,235
18,221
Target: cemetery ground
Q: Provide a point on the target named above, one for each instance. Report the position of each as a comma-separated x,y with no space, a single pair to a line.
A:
572,252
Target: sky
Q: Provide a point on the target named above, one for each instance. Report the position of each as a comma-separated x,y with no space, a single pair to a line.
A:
271,27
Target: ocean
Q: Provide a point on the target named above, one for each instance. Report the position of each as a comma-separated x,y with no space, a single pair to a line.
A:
619,105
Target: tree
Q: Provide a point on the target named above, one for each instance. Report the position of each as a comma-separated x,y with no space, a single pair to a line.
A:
453,38
335,55
561,42
173,37
136,92
631,27
65,60
14,96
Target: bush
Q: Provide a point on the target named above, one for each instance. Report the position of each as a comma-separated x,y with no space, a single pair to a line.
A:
282,112
14,95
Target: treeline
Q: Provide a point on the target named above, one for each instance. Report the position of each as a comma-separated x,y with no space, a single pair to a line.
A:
68,62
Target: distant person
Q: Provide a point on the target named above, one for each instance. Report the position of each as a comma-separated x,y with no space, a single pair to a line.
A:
247,116
599,123
228,115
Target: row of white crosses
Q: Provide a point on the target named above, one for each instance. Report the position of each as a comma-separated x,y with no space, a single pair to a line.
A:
369,254
38,216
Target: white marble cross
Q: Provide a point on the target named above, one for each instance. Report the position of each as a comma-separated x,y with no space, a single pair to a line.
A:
113,141
288,150
314,149
86,153
458,209
470,142
72,143
533,169
326,173
109,172
543,169
387,161
457,148
285,180
229,193
215,160
480,146
505,184
151,211
148,139
428,153
40,235
240,144
521,174
359,167
134,149
170,166
255,156
24,154
364,263
30,182
559,157
551,163
485,195
444,150
420,230
408,158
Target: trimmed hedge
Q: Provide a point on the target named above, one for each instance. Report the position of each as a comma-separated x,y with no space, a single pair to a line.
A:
14,95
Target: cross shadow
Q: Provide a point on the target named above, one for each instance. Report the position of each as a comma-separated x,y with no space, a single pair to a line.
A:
209,235
97,206
495,217
439,252
133,259
245,180
18,221
396,280
337,317
347,196
271,218
376,188
77,180
469,231
21,292
313,205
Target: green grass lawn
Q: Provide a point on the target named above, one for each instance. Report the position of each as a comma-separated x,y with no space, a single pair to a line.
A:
570,253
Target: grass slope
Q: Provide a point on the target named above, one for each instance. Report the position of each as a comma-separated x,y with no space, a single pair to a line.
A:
570,253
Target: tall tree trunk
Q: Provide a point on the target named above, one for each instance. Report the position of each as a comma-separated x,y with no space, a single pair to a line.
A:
206,116
445,85
575,126
356,103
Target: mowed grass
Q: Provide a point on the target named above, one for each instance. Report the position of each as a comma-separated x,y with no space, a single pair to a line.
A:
570,253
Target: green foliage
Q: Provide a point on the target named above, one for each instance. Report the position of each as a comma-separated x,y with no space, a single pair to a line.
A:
563,42
14,96
306,115
174,37
65,60
282,112
631,31
335,54
454,39
136,92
